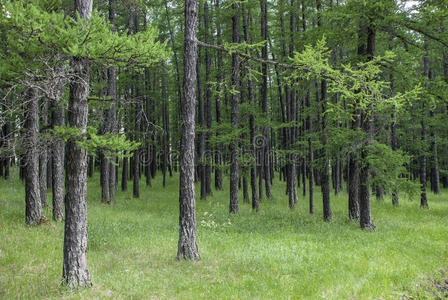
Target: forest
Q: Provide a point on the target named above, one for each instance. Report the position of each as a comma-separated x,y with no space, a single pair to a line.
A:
228,149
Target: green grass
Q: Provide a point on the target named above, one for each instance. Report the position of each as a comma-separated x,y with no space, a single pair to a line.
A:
275,253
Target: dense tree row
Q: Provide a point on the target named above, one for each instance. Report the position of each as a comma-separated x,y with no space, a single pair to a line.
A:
339,95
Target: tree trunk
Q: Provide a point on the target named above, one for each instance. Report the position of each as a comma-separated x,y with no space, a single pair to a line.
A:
58,165
219,77
208,108
234,169
264,98
187,247
250,95
43,154
325,173
75,273
33,209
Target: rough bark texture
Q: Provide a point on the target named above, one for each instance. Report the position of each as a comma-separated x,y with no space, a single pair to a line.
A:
187,247
234,170
75,272
58,153
43,155
33,209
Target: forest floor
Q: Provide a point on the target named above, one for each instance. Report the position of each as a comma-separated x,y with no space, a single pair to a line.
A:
276,253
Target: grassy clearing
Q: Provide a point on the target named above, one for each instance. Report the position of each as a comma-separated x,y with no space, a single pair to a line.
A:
276,253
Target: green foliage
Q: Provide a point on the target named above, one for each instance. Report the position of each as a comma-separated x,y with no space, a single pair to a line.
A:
111,145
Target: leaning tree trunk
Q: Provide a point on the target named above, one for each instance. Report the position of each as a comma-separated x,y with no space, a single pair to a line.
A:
75,272
234,170
187,247
33,208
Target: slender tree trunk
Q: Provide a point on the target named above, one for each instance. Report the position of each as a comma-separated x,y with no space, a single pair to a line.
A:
187,247
219,76
208,108
394,144
325,173
309,128
33,208
234,169
264,98
250,95
58,153
43,155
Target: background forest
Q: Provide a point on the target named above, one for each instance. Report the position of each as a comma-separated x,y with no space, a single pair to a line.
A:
291,149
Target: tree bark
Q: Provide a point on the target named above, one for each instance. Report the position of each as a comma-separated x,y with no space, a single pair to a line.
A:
75,272
187,247
58,165
33,209
234,168
43,154
264,98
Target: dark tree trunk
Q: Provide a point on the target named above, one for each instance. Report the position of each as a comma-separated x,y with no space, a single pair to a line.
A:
234,169
90,166
264,98
208,108
124,174
33,209
187,247
250,95
219,77
149,157
394,144
201,119
166,130
435,176
75,272
58,165
366,124
353,187
423,162
292,116
138,112
325,173
309,128
43,154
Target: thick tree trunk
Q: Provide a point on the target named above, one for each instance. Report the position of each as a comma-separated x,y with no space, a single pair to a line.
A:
234,169
75,272
187,247
33,208
58,165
